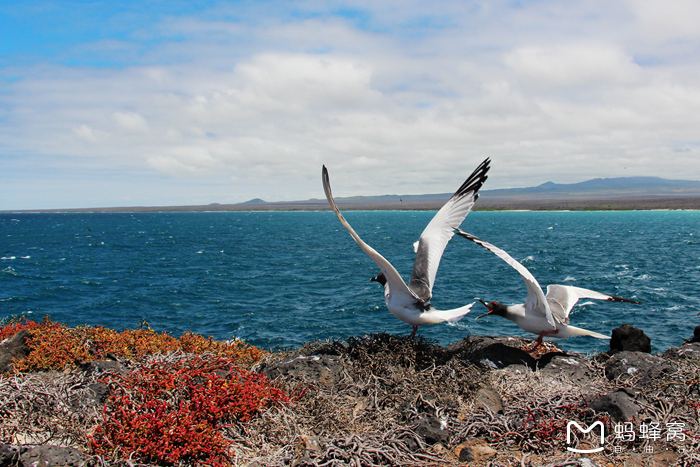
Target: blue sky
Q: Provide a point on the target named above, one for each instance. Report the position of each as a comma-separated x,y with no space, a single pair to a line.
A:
126,103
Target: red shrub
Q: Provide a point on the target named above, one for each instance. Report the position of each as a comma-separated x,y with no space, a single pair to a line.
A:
171,412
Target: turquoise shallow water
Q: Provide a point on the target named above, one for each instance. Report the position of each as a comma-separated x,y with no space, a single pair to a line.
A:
283,278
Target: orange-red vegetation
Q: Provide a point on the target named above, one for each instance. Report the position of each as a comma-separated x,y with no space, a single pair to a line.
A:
173,412
54,346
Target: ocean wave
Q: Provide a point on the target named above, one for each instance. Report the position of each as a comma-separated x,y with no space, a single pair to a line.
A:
9,271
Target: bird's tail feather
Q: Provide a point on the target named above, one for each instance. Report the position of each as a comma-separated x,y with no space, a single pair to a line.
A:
585,332
448,315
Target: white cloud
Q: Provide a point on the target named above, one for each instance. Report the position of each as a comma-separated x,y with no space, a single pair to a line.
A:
573,65
85,133
183,161
403,104
307,81
130,121
667,19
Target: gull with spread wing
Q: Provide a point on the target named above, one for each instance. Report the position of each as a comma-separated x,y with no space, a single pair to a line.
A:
411,303
544,315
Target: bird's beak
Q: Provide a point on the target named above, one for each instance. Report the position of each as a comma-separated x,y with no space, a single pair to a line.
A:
487,306
485,314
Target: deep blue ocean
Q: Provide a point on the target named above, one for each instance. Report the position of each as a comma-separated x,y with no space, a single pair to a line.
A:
278,279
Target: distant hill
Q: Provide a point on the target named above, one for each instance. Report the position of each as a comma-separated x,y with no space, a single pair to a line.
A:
615,193
622,187
255,201
599,193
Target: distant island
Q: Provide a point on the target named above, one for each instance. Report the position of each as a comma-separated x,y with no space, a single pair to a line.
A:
597,194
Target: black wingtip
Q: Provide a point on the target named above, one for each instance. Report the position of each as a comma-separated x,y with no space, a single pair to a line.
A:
325,177
614,298
475,180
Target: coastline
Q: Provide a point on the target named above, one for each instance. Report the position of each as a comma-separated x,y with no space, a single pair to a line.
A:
385,400
484,204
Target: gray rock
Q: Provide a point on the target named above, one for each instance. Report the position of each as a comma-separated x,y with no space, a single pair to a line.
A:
629,338
489,398
641,366
326,369
96,396
586,462
49,456
431,429
100,367
9,455
580,462
690,350
618,404
567,367
14,347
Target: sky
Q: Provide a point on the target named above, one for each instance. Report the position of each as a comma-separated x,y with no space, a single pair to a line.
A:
162,103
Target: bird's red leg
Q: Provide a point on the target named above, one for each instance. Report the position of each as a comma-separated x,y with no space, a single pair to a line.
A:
538,341
413,334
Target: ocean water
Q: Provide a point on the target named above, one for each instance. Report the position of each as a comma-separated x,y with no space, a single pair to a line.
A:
278,279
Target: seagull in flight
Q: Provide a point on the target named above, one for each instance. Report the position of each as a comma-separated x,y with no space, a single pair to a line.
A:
411,303
544,315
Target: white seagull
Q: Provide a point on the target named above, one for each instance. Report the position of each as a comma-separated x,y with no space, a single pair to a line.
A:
542,315
411,303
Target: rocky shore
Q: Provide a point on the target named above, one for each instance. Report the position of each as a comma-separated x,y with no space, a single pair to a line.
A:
387,400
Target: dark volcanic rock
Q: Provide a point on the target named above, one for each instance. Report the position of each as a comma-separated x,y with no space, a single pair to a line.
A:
99,367
618,404
49,456
14,347
491,352
9,455
696,336
638,365
567,367
326,369
96,396
629,338
431,429
689,350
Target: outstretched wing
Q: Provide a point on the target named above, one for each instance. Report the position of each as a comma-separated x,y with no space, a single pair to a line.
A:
562,298
440,230
396,283
536,301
